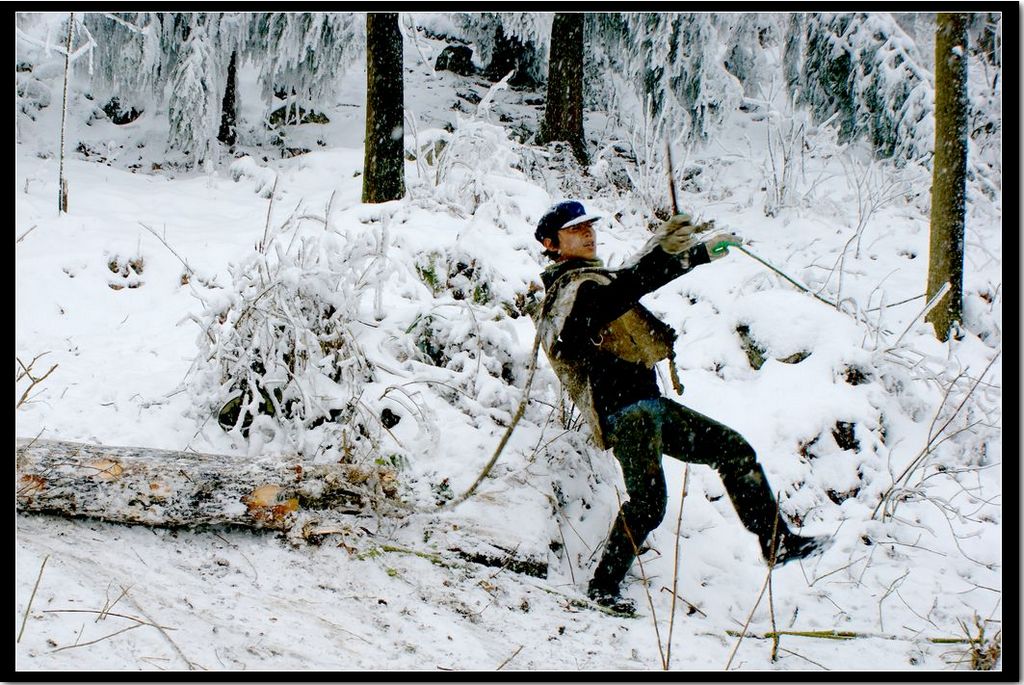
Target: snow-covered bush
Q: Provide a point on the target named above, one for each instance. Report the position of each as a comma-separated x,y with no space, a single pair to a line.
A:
262,177
477,165
279,360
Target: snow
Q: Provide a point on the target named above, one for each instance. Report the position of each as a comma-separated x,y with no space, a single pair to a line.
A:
386,593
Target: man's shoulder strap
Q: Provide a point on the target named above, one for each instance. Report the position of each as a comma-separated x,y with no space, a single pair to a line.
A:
567,284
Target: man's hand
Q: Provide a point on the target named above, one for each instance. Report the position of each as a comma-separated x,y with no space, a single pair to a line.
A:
718,244
677,234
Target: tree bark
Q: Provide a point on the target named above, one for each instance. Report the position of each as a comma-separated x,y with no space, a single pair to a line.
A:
62,190
949,172
164,488
227,134
563,113
167,488
384,155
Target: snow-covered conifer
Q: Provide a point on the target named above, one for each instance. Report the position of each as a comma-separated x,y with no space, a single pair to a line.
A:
674,60
531,29
304,53
751,39
868,69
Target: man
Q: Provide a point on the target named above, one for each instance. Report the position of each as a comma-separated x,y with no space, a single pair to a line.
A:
603,344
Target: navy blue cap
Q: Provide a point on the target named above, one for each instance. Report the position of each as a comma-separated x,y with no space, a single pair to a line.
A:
563,215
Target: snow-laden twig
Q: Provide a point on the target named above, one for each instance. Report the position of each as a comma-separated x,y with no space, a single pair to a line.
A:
923,313
143,30
886,502
484,107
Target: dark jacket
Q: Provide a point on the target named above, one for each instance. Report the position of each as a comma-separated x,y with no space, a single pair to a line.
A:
600,340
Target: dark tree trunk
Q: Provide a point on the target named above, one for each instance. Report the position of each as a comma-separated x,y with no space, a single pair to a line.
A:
949,172
226,134
563,113
383,163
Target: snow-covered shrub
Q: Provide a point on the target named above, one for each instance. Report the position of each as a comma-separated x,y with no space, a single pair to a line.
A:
262,177
475,152
279,353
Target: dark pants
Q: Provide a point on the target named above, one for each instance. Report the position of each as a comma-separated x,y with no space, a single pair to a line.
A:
639,435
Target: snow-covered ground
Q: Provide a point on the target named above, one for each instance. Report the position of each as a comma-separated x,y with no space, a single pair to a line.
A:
100,296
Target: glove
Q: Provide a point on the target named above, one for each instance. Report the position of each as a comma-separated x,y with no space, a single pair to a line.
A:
677,234
718,244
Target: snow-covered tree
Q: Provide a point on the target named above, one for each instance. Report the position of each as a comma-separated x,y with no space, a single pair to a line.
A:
865,67
674,60
750,55
180,60
302,54
184,60
135,52
508,40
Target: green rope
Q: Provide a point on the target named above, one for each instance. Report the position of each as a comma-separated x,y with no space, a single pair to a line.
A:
724,246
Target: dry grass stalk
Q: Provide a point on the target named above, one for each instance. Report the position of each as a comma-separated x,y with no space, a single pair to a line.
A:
35,587
646,584
163,632
675,567
765,586
514,655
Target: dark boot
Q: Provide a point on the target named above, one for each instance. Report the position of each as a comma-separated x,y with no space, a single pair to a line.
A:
793,546
755,503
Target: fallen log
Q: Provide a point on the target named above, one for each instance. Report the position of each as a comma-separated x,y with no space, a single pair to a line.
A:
154,487
167,488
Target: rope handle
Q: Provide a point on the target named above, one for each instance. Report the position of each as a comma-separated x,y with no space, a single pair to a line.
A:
723,246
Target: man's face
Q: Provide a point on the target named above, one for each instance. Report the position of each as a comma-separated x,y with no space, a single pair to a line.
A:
576,242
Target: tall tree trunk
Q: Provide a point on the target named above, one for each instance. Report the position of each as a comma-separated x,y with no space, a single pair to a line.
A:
62,190
383,162
949,172
229,106
563,112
